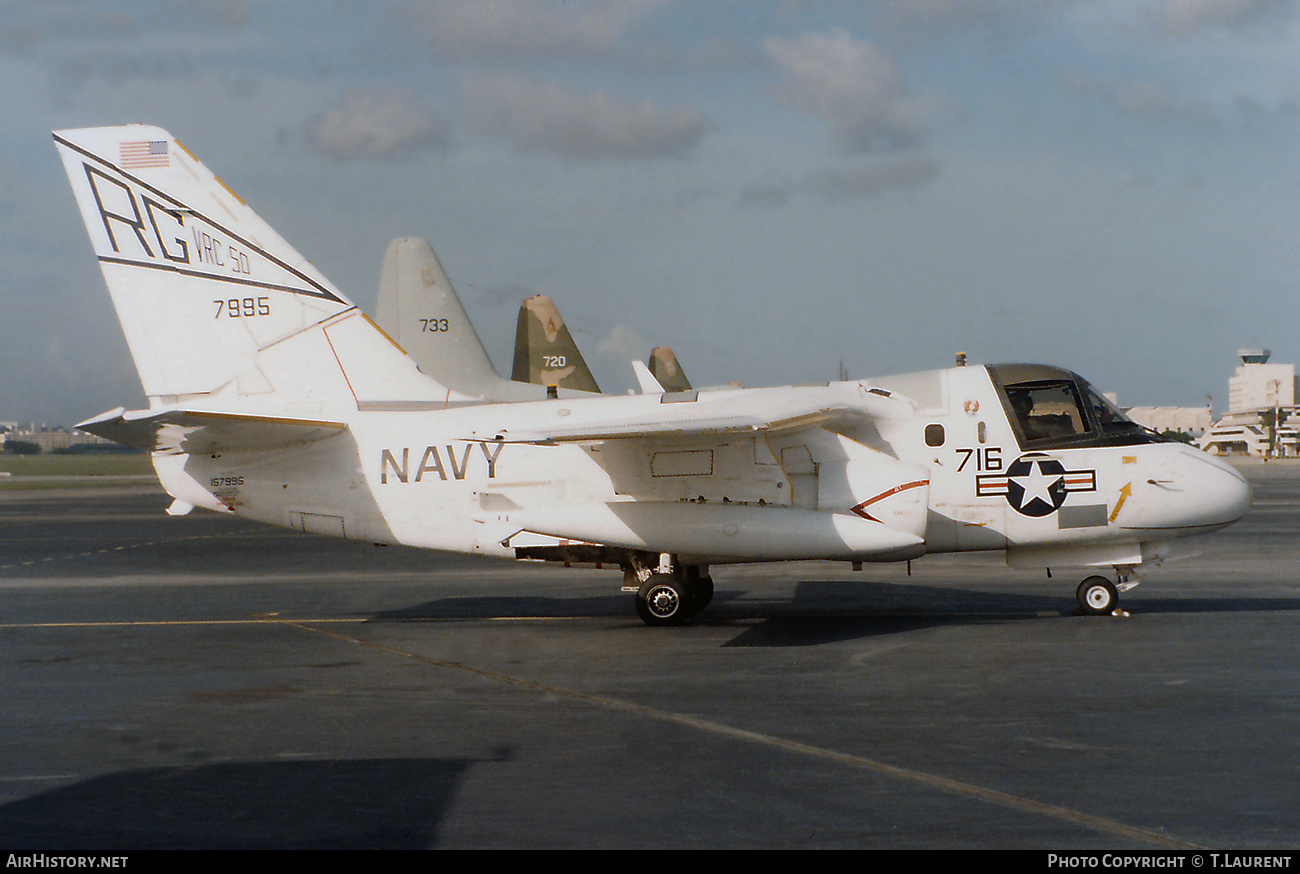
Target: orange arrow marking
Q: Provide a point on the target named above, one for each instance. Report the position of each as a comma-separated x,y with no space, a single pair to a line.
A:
1123,496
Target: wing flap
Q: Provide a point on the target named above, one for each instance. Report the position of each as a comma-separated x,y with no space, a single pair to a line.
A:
175,432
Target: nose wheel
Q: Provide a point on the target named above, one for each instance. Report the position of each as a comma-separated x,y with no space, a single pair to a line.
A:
1098,596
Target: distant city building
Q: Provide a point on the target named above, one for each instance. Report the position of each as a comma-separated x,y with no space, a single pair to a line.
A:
1193,421
48,437
1256,393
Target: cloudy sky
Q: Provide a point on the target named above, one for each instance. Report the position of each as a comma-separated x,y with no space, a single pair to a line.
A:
768,187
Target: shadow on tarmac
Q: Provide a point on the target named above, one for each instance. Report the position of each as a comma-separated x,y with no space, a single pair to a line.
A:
826,611
375,804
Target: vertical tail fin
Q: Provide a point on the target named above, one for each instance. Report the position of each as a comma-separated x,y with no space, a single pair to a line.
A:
545,352
211,299
666,370
420,309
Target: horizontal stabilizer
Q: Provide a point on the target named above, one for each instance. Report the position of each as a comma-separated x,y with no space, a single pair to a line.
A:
193,431
649,385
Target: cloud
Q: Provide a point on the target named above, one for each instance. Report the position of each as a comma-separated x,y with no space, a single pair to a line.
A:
369,123
622,344
525,27
766,195
118,67
855,88
548,117
1255,118
19,38
876,178
946,14
230,14
1146,99
501,295
1184,17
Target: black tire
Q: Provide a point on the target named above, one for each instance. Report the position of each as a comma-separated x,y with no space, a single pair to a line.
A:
701,593
1098,596
663,600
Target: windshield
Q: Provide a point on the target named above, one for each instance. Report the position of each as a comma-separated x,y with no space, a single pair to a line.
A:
1109,417
1050,407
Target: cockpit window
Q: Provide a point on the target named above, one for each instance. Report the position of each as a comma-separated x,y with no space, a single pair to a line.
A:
1108,416
1050,407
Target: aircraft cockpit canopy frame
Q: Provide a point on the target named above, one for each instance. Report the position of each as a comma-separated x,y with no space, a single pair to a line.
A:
1053,408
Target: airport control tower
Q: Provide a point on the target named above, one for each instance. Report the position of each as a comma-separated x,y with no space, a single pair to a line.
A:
1257,392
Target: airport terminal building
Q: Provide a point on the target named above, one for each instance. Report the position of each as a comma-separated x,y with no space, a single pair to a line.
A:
1192,421
1257,394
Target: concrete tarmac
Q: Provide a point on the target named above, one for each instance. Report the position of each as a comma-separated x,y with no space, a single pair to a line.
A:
203,682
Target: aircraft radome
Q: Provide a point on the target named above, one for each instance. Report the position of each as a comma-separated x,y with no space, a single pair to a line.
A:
272,396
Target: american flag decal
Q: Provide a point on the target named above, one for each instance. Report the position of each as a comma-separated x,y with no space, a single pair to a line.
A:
144,154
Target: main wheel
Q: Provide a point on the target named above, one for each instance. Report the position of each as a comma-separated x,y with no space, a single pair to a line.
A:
1098,596
701,593
662,600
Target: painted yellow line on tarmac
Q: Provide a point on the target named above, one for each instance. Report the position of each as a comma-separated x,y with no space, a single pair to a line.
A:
165,622
1097,823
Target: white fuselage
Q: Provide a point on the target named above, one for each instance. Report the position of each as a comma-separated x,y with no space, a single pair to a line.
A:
950,476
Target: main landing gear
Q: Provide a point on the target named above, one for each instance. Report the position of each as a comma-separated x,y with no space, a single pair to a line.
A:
1098,596
672,593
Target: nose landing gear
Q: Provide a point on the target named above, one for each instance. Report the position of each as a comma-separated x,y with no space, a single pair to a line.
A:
1098,596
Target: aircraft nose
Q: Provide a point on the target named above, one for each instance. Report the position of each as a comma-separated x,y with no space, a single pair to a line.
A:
1223,495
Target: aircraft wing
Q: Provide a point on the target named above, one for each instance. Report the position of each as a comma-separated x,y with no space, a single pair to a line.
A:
196,431
689,414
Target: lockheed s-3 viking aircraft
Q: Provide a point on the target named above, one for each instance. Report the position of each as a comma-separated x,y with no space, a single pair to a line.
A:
272,396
